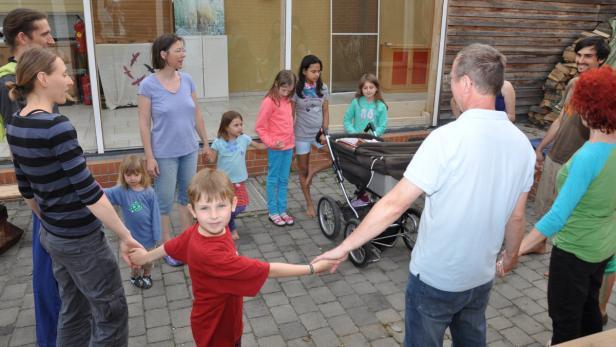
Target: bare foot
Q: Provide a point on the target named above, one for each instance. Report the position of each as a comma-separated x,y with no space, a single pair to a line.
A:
235,235
310,212
539,248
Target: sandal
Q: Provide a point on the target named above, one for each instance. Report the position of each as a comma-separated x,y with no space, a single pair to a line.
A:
287,219
137,281
277,220
146,282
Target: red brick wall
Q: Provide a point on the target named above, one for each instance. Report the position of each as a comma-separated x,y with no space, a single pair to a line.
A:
105,171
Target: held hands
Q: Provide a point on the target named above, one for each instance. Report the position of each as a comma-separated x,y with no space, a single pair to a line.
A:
335,256
505,263
138,256
323,265
129,245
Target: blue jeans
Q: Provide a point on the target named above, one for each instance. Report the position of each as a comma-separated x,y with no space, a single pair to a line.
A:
47,301
429,311
278,170
174,177
238,210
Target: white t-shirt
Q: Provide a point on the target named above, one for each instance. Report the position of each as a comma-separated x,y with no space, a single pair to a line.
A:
473,171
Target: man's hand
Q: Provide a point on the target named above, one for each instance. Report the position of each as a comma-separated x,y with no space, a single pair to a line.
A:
505,263
127,245
336,256
540,158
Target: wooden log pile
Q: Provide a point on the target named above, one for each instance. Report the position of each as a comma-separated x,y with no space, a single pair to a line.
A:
549,109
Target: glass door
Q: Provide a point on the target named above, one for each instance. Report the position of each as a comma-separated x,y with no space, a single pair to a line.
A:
354,42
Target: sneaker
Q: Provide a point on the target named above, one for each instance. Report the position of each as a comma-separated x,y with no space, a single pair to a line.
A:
137,281
172,261
287,219
147,282
359,202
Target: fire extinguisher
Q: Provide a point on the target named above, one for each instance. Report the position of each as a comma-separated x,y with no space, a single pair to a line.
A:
80,35
86,90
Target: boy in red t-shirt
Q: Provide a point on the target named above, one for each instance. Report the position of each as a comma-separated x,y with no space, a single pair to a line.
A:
220,277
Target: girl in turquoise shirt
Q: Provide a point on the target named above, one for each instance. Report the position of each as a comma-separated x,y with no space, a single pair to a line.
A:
368,107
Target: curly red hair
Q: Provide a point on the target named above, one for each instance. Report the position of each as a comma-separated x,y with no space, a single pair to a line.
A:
594,98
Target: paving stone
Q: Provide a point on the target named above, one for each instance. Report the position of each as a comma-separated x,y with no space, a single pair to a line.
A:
313,320
157,317
527,324
182,335
341,288
284,314
376,301
136,326
249,340
387,288
137,341
331,309
508,291
275,299
22,336
263,326
255,308
153,302
180,317
342,325
176,292
499,323
355,340
350,301
294,288
397,301
321,295
303,304
325,337
292,330
8,316
362,316
271,341
388,316
516,336
528,305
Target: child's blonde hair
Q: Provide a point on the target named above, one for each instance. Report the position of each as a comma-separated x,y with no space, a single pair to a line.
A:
372,79
283,78
225,121
213,184
132,164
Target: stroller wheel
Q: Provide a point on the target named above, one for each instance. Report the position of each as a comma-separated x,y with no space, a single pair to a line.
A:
358,257
410,226
330,217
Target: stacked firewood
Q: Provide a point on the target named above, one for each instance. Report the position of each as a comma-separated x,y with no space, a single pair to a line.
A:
549,109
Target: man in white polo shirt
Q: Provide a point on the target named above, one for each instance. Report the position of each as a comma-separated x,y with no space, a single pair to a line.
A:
476,173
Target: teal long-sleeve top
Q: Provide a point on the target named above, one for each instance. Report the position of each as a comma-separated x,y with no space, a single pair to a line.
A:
361,112
583,216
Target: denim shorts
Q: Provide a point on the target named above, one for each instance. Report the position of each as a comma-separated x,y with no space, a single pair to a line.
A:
174,177
303,147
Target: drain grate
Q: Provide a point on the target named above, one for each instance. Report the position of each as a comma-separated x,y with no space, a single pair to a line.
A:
256,194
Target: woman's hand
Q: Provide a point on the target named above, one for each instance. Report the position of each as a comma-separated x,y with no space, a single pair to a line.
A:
278,145
152,167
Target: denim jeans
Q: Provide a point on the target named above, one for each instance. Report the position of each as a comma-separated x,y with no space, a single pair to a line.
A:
277,183
429,311
47,301
174,177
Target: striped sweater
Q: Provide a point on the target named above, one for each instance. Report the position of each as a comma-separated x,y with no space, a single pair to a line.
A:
50,167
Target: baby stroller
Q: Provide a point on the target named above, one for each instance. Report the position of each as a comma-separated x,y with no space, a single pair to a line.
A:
372,166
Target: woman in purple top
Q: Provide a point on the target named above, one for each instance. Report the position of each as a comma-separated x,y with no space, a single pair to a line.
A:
169,120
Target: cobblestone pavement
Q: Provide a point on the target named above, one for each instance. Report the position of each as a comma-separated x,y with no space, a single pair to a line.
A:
354,307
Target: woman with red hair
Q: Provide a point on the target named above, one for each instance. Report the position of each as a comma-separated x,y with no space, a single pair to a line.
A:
582,220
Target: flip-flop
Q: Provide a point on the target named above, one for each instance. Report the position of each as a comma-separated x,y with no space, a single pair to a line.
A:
277,220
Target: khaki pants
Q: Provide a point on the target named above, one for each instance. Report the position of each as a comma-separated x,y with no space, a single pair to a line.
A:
546,191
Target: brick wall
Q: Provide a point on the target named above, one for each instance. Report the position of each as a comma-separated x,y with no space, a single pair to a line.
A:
105,171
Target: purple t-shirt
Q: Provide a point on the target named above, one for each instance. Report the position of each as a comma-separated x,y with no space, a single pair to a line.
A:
173,117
